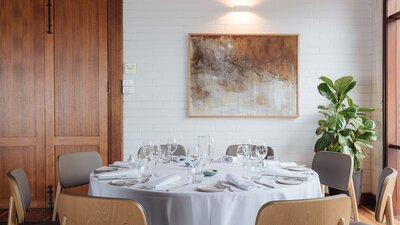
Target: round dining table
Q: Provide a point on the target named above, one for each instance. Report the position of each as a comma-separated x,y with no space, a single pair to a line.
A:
185,205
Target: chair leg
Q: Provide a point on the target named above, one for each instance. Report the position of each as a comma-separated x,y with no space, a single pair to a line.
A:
64,221
389,211
353,199
322,190
12,214
56,202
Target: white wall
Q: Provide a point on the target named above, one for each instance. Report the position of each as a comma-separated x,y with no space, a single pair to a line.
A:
337,37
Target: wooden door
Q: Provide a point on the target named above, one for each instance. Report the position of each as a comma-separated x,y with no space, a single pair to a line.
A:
76,81
22,136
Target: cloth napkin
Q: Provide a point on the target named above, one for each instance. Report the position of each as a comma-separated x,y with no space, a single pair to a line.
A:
124,174
230,159
120,164
240,182
162,181
277,171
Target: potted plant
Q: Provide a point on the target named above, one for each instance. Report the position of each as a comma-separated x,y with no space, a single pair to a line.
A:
345,127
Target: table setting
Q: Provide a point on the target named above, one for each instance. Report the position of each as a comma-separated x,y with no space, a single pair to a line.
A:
176,190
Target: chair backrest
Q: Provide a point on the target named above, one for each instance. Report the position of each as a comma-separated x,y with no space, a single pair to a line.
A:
74,168
77,210
386,184
19,187
179,151
334,169
232,149
322,211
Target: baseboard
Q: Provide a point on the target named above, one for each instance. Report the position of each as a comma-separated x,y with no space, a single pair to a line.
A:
368,200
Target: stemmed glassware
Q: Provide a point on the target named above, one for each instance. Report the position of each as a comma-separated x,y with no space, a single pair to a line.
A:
156,157
172,146
147,148
261,150
242,154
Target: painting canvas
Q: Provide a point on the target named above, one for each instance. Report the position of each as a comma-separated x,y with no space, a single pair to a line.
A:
243,75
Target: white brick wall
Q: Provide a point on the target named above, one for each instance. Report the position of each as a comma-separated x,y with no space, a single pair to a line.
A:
337,37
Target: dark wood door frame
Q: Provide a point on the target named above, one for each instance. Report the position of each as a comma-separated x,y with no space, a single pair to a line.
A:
115,104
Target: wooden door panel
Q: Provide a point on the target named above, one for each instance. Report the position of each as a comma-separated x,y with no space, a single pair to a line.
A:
77,118
21,95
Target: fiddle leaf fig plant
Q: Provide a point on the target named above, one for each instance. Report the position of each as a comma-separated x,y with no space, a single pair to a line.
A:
345,128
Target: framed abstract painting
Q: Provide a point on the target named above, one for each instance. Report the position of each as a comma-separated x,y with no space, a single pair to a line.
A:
243,75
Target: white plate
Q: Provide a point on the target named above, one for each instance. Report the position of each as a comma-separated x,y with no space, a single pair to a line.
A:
122,182
289,181
208,188
105,169
298,168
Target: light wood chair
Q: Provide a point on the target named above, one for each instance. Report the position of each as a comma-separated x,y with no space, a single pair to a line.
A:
232,150
83,210
74,170
384,204
20,198
179,151
333,210
336,170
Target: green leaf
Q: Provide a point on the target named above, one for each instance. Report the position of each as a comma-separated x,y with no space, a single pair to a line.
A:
350,101
336,121
325,91
319,130
346,132
349,112
342,82
367,136
366,109
347,89
369,124
322,107
342,140
321,122
323,142
328,82
325,114
356,122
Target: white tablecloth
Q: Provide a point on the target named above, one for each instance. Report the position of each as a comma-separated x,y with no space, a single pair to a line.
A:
186,206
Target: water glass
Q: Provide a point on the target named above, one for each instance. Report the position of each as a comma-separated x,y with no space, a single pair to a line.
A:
197,174
145,170
255,170
166,156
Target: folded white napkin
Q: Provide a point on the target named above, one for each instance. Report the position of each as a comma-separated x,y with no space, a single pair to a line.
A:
230,159
121,164
240,182
124,174
287,164
277,171
161,181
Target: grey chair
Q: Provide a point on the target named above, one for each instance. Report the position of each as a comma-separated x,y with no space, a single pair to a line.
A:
335,170
74,170
384,204
179,151
20,198
232,149
333,210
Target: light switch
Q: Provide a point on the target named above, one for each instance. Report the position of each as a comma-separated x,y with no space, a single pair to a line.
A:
128,90
130,68
128,83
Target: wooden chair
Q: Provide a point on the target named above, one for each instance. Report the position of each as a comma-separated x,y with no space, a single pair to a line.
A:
232,149
74,170
20,198
80,210
179,151
335,170
384,204
333,210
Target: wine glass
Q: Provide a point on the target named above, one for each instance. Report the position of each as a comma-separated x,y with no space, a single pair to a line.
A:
172,146
242,154
156,157
147,148
261,150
